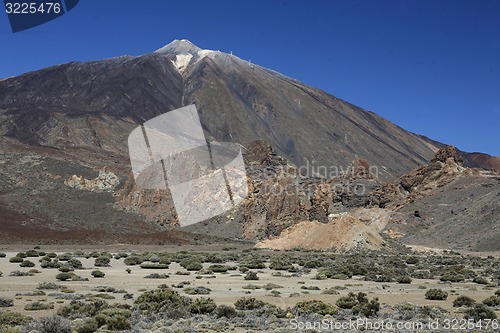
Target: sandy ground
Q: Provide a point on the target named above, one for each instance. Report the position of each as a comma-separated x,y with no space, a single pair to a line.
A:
226,287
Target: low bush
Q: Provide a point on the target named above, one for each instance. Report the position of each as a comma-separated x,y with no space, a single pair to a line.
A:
79,309
98,274
16,260
13,319
492,301
53,324
463,301
225,311
163,300
218,268
197,291
330,291
404,279
48,285
359,304
6,302
63,276
32,253
480,312
251,276
37,306
191,264
118,323
154,266
249,303
436,295
133,260
64,257
156,276
89,326
203,306
75,263
102,261
314,307
20,273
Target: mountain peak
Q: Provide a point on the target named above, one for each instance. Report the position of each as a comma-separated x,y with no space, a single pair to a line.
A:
177,46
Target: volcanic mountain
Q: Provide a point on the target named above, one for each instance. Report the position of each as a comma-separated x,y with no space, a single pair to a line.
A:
64,129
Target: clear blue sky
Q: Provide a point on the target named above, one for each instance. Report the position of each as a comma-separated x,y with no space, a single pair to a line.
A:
431,67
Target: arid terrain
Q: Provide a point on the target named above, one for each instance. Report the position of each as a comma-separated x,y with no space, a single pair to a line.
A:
287,286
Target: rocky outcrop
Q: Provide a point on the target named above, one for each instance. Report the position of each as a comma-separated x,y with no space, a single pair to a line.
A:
105,182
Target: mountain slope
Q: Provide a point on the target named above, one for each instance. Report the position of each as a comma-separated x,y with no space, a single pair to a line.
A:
63,127
94,105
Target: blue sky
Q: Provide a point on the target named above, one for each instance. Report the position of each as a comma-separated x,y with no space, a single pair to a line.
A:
431,67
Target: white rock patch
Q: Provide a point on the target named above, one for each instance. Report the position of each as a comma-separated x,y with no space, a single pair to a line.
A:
181,61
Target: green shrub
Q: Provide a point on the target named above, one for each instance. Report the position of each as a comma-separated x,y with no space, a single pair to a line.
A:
2,255
163,300
75,263
436,295
63,276
492,301
218,268
37,306
16,260
254,263
48,285
197,291
412,260
98,274
64,257
347,302
314,307
359,304
13,318
19,273
6,302
89,326
404,279
102,261
79,309
251,276
133,260
463,301
280,264
452,276
225,311
480,312
154,266
32,253
330,291
27,263
203,306
191,264
118,323
53,324
249,303
157,276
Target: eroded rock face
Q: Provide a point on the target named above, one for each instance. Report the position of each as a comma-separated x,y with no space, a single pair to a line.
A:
105,182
